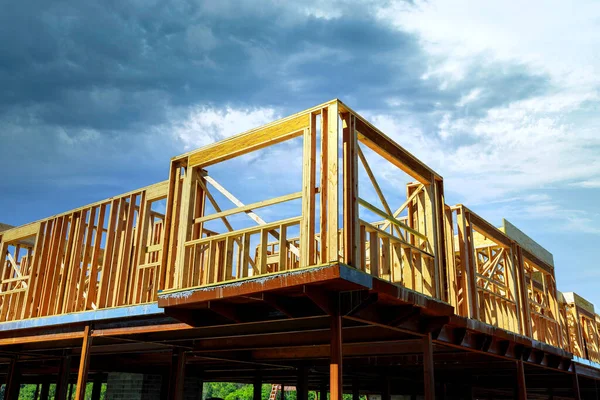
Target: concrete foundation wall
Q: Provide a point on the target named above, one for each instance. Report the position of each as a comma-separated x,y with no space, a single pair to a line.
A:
125,386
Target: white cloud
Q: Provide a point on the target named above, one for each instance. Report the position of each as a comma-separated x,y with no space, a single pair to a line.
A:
470,97
552,36
546,141
590,184
204,125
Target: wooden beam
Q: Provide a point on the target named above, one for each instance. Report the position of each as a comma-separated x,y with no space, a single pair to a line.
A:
355,388
84,364
97,387
13,383
301,384
487,229
177,375
323,185
350,190
521,386
64,372
393,152
336,387
332,250
323,391
45,392
249,207
576,391
309,183
186,220
255,139
428,368
257,387
386,393
251,213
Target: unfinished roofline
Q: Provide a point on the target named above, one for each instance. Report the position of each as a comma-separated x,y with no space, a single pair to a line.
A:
503,238
154,192
293,126
485,227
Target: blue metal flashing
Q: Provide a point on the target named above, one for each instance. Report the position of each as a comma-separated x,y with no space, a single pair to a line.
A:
355,276
84,316
584,361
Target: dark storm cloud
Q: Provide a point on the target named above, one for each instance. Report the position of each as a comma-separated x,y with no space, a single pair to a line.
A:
108,65
88,86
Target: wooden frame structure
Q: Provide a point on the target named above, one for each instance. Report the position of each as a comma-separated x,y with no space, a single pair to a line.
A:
488,283
98,256
404,266
582,328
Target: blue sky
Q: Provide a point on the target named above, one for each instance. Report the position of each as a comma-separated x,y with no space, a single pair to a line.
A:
501,98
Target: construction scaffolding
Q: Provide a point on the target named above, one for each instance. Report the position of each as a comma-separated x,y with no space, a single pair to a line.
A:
400,289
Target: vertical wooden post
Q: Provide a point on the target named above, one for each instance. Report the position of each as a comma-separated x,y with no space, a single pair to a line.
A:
309,183
165,383
513,283
186,219
350,191
553,300
257,387
336,387
200,392
177,375
64,372
169,233
468,394
282,394
437,205
428,369
332,183
323,185
323,391
13,383
525,316
465,260
451,275
84,364
97,387
386,393
576,391
521,386
45,392
302,384
355,389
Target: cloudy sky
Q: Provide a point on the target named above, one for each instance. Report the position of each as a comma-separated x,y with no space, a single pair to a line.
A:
501,98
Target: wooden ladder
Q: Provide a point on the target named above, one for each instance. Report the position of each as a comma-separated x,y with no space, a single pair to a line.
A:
274,390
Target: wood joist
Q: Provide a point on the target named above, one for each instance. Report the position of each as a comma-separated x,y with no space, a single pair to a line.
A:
379,304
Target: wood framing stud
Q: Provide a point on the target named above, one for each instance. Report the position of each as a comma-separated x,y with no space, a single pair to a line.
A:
428,368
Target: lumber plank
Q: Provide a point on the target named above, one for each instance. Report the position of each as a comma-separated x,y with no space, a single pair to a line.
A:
250,141
332,249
